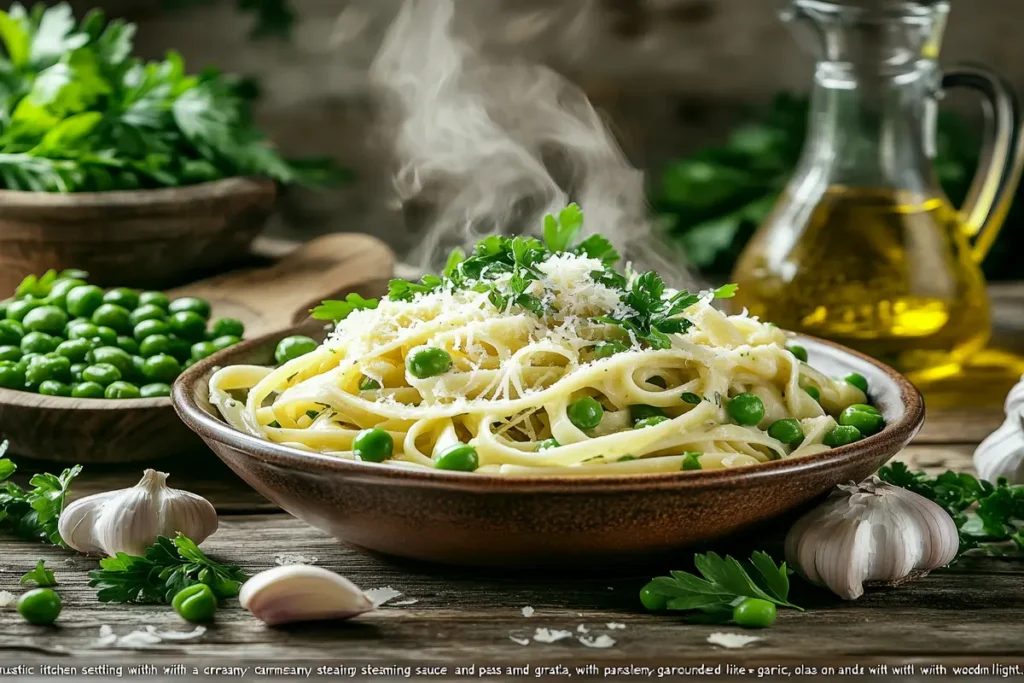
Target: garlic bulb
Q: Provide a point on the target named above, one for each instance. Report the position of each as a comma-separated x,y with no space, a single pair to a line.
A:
870,532
300,592
129,520
1001,454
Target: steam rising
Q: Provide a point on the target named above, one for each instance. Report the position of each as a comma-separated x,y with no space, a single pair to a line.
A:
487,148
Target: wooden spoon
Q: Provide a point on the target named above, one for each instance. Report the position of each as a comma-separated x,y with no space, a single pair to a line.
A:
266,299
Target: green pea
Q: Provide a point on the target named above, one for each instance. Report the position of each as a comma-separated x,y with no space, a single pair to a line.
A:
585,413
77,273
87,390
609,349
746,409
155,390
71,323
120,389
201,350
154,344
11,353
195,603
138,363
84,330
650,421
17,310
52,387
798,351
76,371
161,368
429,362
691,461
148,328
191,304
865,418
101,373
813,393
787,431
116,317
154,299
652,599
548,444
127,344
459,457
858,380
84,300
642,412
12,375
11,332
74,350
754,613
188,325
123,297
3,308
40,606
841,436
106,335
45,368
373,445
111,355
227,327
224,341
39,342
147,312
368,384
291,348
59,291
180,348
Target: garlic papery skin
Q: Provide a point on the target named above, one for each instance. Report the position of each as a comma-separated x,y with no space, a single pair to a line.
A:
129,520
870,532
300,592
1001,454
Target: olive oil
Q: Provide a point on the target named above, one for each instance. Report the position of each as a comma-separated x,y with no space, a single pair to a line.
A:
881,271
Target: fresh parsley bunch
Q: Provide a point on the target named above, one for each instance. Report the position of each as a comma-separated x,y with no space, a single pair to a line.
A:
166,568
79,113
649,313
988,516
32,514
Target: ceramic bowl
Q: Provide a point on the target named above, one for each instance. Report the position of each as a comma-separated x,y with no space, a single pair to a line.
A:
472,519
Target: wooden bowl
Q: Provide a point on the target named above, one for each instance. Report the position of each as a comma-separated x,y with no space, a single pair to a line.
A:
474,519
82,430
146,238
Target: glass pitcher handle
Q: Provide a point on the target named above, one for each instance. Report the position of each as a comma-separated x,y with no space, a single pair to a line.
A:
1002,155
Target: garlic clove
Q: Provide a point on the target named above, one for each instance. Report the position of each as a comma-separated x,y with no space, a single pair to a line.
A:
299,592
130,520
1001,454
870,532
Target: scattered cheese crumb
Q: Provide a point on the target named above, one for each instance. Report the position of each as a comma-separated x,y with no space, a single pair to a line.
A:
582,629
521,641
379,596
140,640
6,598
528,611
545,635
601,641
614,625
294,558
400,603
731,640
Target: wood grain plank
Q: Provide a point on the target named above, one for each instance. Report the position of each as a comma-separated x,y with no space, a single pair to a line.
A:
965,425
464,616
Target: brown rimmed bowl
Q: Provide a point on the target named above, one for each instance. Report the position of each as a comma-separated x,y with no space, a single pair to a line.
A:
139,238
472,519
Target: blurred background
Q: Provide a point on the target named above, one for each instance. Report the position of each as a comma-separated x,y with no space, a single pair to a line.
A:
678,80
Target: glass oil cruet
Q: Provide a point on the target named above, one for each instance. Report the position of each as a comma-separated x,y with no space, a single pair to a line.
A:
863,247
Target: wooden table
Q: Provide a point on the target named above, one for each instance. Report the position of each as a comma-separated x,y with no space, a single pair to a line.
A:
970,613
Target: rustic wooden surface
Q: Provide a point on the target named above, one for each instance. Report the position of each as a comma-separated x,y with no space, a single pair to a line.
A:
966,614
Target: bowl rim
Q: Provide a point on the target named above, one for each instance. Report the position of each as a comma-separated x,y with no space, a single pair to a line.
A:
894,437
211,189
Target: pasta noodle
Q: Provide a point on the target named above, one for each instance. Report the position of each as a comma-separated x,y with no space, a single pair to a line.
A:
515,374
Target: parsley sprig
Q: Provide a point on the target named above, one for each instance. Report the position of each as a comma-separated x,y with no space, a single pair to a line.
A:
166,568
988,516
40,576
32,514
723,583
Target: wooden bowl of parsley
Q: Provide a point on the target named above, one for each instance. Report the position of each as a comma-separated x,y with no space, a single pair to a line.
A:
136,171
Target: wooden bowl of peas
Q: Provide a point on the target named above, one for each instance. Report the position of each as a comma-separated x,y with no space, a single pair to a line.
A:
86,372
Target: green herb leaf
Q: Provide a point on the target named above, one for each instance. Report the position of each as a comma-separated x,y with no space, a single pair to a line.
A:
339,310
41,576
560,232
726,291
33,514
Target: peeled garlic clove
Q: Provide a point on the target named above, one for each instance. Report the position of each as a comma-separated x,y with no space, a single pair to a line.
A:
1001,454
870,532
129,520
299,592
